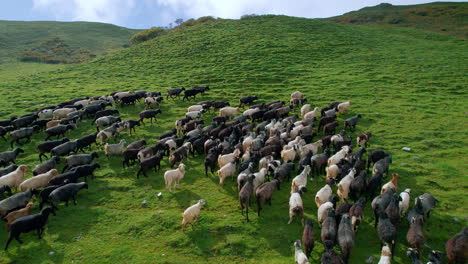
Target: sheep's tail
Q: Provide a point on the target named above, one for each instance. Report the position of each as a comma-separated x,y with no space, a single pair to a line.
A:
298,210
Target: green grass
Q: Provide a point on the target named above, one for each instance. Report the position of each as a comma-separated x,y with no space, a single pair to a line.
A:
409,85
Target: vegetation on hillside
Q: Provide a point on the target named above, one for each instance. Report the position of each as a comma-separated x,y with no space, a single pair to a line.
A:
441,17
408,84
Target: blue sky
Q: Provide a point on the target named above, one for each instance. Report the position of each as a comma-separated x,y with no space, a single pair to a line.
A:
149,13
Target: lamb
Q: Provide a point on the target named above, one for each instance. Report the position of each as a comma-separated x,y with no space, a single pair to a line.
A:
345,237
322,210
229,111
343,185
457,247
299,255
64,193
245,195
264,193
296,206
393,183
356,213
79,159
382,165
415,235
300,180
150,163
8,169
174,176
17,200
12,216
39,181
344,107
352,122
190,215
385,255
64,149
114,149
289,155
308,238
387,231
29,223
404,203
226,171
427,200
324,194
151,114
46,166
58,130
106,121
14,178
224,159
21,133
305,109
9,156
362,140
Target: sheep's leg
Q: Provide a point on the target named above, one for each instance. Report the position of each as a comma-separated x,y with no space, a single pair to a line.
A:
66,203
74,199
39,233
247,212
18,239
290,219
8,242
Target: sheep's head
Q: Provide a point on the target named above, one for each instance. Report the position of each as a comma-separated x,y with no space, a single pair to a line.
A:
23,168
202,202
54,172
30,205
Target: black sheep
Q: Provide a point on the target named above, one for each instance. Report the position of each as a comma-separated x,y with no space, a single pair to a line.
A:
4,130
151,114
308,238
21,133
387,231
44,194
64,149
58,130
246,100
131,124
4,189
211,160
352,122
47,146
137,144
86,170
105,112
9,156
201,89
375,156
174,92
190,93
150,163
85,142
245,194
64,193
24,121
70,176
329,129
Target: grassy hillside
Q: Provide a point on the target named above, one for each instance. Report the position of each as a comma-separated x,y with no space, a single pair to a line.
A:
98,38
408,84
441,17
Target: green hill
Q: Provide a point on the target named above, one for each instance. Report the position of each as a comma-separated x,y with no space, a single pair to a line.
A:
449,18
98,38
408,84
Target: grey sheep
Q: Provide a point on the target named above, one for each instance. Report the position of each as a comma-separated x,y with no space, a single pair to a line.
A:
9,156
106,121
64,149
8,169
46,166
58,130
382,165
79,159
352,122
64,193
428,202
345,237
21,133
18,200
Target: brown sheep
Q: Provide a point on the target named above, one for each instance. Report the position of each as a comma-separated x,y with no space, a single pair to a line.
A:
457,247
12,216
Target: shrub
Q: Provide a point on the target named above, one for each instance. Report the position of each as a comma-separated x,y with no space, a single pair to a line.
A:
147,34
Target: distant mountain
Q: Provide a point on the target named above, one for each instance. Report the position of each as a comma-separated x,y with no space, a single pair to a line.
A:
97,38
448,18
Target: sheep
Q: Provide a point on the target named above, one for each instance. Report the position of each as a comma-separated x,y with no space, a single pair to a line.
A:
9,156
385,255
380,203
311,115
295,204
113,149
358,186
86,142
318,162
64,149
393,183
373,185
305,109
105,112
58,130
129,155
375,156
259,178
46,166
345,237
265,161
86,170
151,101
308,238
39,181
427,200
224,159
387,231
332,172
136,144
393,211
297,95
14,178
300,180
322,210
289,155
106,121
416,212
79,159
299,255
329,226
362,140
310,147
190,93
330,113
45,114
457,247
415,235
324,194
130,124
148,152
4,130
330,256
404,203
190,215
150,163
44,194
8,169
149,114
283,172
180,153
21,133
174,92
64,193
352,122
24,121
343,185
413,255
194,114
174,176
247,100
62,112
12,216
108,133
245,195
210,160
17,200
344,107
226,171
29,223
356,213
264,193
329,129
229,111
435,257
337,157
382,165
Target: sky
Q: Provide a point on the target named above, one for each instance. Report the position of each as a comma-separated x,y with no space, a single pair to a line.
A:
142,14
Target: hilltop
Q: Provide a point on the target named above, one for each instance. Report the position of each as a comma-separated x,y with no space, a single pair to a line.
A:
408,84
449,18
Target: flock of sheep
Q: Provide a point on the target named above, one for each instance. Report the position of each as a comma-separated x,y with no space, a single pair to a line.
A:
262,146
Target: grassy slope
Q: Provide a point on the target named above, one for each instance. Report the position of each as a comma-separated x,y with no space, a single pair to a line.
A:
409,85
441,17
98,38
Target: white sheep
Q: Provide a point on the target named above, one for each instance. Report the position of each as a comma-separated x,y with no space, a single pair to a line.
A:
85,102
114,149
38,181
297,141
62,112
323,195
259,178
226,171
225,159
151,101
14,178
299,255
249,112
247,142
229,111
330,113
312,114
343,185
121,95
195,108
310,147
336,138
296,206
338,156
343,107
300,180
296,130
265,161
108,98
289,154
305,109
46,114
171,144
385,256
174,176
332,171
190,215
405,201
246,155
322,212
194,114
297,95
